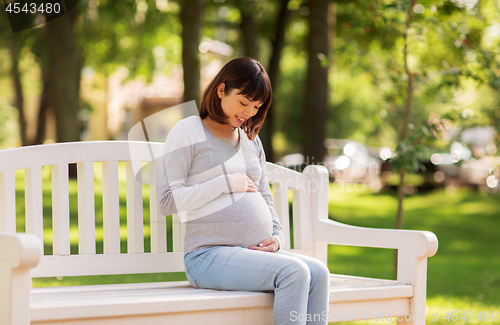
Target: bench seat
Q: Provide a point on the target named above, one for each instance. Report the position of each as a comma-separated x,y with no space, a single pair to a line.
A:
166,301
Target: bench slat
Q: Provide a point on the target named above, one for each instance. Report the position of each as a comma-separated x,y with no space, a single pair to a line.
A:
135,219
103,264
280,193
34,201
110,207
86,210
60,209
302,225
8,202
158,222
178,231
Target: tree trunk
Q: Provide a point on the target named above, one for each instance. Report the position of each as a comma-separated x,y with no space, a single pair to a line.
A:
42,110
316,100
18,89
405,130
401,196
332,33
249,29
64,67
273,71
191,20
39,48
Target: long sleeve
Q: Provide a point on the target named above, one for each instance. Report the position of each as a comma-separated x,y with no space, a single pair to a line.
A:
175,195
265,191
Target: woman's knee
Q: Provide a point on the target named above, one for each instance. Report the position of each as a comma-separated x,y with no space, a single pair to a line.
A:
319,272
298,270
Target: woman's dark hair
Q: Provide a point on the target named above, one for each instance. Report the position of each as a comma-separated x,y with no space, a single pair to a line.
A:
251,79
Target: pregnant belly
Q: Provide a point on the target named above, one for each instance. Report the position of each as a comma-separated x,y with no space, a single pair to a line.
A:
244,223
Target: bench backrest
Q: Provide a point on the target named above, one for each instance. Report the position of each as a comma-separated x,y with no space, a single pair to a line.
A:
110,157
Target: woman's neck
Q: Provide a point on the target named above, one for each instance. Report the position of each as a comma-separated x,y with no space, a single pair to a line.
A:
220,130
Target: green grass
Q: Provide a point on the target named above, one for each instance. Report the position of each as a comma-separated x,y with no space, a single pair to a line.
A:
463,276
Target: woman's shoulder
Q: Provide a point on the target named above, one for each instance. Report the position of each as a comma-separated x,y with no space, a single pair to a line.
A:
193,119
187,126
188,122
256,143
187,131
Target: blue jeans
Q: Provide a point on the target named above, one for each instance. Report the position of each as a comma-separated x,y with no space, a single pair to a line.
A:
300,283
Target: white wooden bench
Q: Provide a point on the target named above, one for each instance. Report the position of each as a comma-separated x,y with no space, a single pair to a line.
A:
22,256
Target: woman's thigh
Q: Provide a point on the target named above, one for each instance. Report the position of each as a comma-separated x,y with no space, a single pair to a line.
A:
237,268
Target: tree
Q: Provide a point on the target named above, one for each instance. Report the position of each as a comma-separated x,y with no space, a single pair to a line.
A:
15,42
274,29
14,50
249,28
65,64
407,113
316,104
44,105
278,43
413,140
191,20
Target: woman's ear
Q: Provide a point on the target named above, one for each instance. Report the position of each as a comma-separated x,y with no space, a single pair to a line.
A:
220,89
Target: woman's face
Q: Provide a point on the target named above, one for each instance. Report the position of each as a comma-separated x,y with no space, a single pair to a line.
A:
237,108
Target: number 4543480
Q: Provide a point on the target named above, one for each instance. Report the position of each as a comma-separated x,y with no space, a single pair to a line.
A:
470,316
32,8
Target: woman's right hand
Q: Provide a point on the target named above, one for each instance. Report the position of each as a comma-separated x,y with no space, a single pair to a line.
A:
243,183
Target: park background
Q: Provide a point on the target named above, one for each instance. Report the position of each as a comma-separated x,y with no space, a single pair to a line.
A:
399,99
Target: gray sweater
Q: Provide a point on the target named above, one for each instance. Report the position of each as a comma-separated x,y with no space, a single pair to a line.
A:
196,184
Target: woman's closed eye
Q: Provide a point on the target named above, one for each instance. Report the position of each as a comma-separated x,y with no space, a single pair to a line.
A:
247,105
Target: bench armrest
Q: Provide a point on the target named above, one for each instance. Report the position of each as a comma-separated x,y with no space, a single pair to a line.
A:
422,243
19,253
419,243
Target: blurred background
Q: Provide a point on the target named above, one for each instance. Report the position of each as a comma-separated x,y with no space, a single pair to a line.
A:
398,99
352,80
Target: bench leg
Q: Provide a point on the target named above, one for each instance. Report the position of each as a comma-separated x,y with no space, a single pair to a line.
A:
15,286
321,252
18,254
413,270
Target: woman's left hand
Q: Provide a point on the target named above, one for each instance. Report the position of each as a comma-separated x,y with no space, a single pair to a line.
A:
268,245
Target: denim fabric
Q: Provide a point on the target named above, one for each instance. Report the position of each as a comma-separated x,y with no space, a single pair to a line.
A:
300,283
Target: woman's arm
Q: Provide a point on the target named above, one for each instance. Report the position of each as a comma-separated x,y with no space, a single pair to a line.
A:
175,196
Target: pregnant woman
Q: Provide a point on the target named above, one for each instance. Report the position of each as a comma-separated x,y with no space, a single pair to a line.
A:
215,179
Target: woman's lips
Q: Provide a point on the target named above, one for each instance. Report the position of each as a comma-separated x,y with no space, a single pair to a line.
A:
239,119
